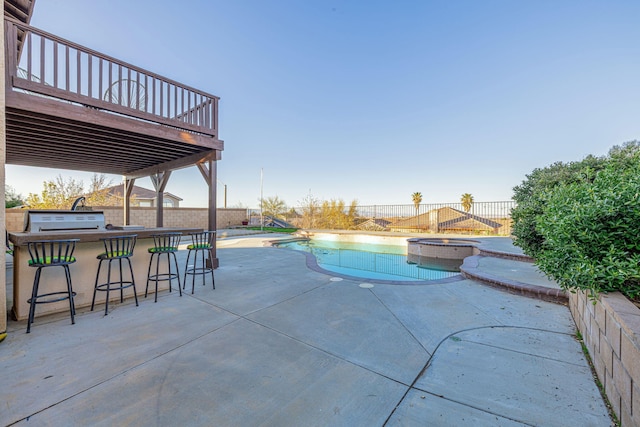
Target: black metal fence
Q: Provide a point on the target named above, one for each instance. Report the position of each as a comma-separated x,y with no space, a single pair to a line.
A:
481,218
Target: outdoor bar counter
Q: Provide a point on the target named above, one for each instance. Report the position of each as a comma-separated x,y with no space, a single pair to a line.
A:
83,271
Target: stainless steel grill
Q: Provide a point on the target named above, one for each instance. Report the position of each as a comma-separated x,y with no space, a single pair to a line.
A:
58,220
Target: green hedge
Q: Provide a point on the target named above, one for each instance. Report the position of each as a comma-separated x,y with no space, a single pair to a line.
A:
531,194
591,233
581,221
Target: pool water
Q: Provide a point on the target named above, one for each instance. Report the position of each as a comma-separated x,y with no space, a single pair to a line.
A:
368,261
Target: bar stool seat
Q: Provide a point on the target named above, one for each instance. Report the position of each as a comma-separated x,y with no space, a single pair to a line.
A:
202,243
116,248
165,243
51,253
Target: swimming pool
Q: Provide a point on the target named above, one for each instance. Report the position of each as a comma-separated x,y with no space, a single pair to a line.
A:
370,261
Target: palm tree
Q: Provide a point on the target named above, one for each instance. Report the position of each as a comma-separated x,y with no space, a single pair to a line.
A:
467,201
417,199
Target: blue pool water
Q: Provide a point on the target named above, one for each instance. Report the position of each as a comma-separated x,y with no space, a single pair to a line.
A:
368,261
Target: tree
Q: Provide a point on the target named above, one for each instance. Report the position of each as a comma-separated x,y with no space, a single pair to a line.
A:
417,199
467,201
274,206
12,199
335,215
332,214
56,194
60,194
98,193
310,211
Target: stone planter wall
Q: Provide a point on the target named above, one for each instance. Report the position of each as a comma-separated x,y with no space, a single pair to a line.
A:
611,330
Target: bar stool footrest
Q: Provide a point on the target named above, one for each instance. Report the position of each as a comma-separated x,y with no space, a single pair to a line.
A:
163,276
199,270
62,298
110,286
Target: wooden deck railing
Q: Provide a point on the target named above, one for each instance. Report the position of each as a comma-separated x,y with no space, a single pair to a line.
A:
41,63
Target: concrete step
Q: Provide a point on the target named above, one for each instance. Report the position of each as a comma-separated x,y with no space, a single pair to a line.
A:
517,277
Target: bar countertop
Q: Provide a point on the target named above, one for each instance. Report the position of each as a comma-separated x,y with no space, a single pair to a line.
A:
21,239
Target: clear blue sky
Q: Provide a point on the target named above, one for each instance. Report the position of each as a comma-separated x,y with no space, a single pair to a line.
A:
375,100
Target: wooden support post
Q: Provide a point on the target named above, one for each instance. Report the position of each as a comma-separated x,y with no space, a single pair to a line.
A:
4,62
159,181
127,189
209,173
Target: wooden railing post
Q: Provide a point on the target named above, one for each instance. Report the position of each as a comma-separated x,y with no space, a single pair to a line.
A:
11,52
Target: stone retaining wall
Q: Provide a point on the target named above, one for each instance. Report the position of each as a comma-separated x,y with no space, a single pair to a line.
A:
610,331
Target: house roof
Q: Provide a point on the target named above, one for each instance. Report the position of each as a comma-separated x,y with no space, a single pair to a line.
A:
465,220
140,193
448,219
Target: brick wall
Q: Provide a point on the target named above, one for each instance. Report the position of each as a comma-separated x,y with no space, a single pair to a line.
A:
610,330
173,217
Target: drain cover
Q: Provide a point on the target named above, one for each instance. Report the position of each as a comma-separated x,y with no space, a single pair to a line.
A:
366,285
336,279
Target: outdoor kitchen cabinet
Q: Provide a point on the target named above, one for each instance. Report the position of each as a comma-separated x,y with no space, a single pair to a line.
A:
83,271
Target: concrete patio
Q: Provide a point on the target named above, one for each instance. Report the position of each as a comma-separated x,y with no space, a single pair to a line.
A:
279,344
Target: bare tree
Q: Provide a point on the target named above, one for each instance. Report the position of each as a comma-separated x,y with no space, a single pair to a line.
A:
310,211
60,193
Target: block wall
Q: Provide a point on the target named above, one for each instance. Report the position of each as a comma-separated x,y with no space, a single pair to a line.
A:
173,217
610,330
14,219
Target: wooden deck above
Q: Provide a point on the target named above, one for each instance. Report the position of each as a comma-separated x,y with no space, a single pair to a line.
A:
69,107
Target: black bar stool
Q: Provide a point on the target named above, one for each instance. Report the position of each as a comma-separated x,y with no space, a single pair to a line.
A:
115,248
202,243
166,243
8,244
51,253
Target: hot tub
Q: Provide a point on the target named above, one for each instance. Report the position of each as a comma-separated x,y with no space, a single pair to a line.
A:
440,251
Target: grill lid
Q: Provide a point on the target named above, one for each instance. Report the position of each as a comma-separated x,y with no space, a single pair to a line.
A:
60,220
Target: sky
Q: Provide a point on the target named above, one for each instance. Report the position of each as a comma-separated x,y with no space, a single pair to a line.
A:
375,100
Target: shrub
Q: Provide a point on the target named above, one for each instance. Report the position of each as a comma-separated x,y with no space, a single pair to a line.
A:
579,221
530,198
589,230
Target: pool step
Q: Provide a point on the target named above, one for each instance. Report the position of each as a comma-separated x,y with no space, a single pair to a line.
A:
471,269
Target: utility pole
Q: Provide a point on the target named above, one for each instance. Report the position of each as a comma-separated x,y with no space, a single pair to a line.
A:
225,192
261,201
